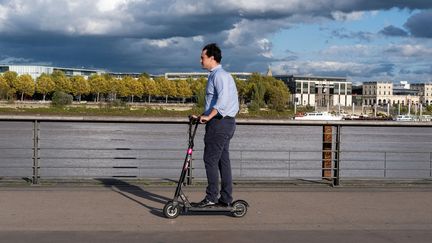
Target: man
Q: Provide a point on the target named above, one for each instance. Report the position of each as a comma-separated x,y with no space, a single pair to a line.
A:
221,107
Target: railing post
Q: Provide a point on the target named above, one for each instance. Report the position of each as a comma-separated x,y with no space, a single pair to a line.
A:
327,152
36,166
336,168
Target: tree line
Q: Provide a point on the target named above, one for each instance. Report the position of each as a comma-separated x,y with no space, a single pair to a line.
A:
258,91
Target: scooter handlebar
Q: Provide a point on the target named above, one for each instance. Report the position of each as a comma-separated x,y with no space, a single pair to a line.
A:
193,119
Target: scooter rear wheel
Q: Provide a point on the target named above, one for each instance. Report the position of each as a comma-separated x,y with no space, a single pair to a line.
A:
239,209
171,211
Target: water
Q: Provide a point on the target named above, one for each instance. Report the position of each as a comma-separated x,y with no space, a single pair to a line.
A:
87,150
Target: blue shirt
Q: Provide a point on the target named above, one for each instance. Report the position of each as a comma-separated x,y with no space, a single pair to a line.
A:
221,93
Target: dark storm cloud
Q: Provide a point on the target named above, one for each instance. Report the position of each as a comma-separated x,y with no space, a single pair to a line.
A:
420,24
393,31
166,35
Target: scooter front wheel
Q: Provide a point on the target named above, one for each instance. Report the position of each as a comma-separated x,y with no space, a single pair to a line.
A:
171,211
239,208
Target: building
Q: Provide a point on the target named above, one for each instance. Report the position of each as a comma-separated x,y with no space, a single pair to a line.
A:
424,91
36,71
197,75
318,91
385,92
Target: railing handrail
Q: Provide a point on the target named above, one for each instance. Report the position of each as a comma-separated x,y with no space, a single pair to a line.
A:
242,121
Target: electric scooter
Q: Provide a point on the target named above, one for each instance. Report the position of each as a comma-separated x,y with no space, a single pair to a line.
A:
180,202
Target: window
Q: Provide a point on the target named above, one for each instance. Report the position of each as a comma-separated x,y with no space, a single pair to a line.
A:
298,87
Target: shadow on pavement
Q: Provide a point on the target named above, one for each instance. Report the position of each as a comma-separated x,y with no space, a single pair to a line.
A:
124,188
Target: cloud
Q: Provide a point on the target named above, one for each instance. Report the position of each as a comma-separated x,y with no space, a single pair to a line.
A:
419,25
415,51
359,35
167,35
393,31
332,68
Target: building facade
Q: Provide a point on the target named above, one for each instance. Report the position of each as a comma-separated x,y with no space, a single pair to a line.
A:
424,91
36,71
318,91
386,92
197,75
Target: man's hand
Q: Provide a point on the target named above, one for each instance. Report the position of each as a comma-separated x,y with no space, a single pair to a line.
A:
204,119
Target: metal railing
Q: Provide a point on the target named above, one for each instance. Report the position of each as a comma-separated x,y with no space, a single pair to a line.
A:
48,147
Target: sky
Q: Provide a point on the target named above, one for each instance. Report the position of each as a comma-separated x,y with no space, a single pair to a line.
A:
362,40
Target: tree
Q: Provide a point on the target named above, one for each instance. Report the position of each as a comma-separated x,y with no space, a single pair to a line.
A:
166,87
183,89
44,85
62,83
25,85
242,89
10,77
4,87
80,86
133,87
266,91
98,85
111,86
198,89
149,87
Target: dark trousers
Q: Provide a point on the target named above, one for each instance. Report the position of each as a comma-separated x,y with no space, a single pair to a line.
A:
216,158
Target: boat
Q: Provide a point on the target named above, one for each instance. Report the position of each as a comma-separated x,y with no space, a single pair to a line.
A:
318,116
405,118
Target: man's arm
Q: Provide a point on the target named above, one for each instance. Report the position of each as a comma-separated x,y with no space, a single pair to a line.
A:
204,119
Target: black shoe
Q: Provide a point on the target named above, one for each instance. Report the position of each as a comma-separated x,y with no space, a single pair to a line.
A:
223,204
204,203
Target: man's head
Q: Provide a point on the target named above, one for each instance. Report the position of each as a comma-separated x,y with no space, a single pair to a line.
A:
211,56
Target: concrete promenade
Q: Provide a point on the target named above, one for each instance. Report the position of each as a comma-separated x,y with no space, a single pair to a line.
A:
277,214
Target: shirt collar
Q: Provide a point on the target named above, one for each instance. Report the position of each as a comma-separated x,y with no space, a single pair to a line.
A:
215,68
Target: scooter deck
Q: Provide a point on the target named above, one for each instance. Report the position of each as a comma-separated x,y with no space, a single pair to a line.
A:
210,209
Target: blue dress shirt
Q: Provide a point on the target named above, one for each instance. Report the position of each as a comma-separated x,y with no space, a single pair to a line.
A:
221,93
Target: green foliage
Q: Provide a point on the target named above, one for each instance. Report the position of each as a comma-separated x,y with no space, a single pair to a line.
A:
264,91
61,99
44,85
62,83
25,85
183,89
429,108
10,78
149,86
99,85
166,87
80,86
4,87
198,90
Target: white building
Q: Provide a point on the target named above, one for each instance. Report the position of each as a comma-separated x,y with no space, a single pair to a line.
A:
318,91
424,91
196,75
385,92
36,71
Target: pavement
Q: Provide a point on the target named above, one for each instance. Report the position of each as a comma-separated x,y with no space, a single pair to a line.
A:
132,213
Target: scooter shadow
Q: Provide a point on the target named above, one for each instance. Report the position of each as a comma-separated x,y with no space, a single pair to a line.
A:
126,189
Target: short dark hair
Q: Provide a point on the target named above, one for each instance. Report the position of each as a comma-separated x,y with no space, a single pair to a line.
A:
213,49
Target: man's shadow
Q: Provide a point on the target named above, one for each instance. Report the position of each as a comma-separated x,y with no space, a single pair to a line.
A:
124,188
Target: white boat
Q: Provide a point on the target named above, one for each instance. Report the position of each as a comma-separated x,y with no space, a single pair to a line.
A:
405,118
318,116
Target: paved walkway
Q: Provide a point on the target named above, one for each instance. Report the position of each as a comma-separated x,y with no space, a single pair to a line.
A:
276,214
